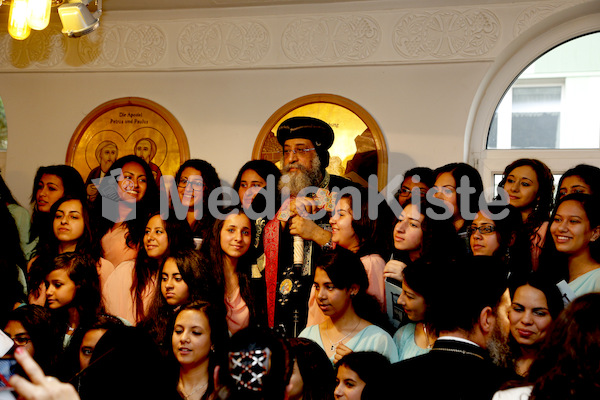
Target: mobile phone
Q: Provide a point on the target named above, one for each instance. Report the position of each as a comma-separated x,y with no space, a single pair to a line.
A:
8,366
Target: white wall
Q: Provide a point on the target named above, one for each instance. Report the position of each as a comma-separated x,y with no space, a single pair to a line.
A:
422,104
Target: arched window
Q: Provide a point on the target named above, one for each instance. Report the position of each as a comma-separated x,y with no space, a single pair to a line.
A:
554,103
550,109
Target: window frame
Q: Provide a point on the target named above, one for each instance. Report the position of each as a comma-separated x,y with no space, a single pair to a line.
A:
508,66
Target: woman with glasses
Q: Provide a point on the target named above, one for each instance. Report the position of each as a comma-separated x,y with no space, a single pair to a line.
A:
495,232
421,178
196,179
29,327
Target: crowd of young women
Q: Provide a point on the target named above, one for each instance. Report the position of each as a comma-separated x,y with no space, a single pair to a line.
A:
79,281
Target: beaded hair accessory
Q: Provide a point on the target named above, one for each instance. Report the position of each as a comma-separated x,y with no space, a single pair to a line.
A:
247,368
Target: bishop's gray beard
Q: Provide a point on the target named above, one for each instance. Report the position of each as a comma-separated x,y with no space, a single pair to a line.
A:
498,347
302,178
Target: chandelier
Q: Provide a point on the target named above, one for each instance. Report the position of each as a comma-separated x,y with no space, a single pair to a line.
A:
76,19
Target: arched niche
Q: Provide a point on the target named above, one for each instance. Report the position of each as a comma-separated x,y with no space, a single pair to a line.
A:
358,149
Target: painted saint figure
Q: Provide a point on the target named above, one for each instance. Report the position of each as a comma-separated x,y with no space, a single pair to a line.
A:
146,149
106,153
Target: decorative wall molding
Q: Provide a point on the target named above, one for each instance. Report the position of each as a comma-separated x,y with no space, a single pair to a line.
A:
44,50
122,46
535,14
331,39
223,43
384,37
447,34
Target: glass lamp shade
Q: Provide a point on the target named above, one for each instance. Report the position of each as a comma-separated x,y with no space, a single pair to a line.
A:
18,27
38,13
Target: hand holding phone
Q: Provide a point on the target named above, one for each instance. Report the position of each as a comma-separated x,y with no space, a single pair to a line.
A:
41,387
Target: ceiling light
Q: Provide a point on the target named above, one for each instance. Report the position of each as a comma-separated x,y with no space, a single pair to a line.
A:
38,13
17,20
77,20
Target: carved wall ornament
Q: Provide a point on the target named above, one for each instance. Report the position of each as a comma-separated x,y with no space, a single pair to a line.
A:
446,34
223,43
44,49
331,39
533,15
123,46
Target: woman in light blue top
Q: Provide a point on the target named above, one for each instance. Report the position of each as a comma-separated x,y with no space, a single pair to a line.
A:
415,338
340,285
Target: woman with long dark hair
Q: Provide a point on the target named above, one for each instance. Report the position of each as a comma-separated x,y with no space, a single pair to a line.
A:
228,247
418,233
313,377
198,343
496,231
361,375
416,337
360,236
448,179
536,302
68,231
573,254
254,176
185,276
50,184
529,184
162,237
196,180
581,178
119,227
30,327
341,290
567,364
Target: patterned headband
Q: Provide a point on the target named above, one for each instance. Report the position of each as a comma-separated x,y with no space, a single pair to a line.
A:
247,368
